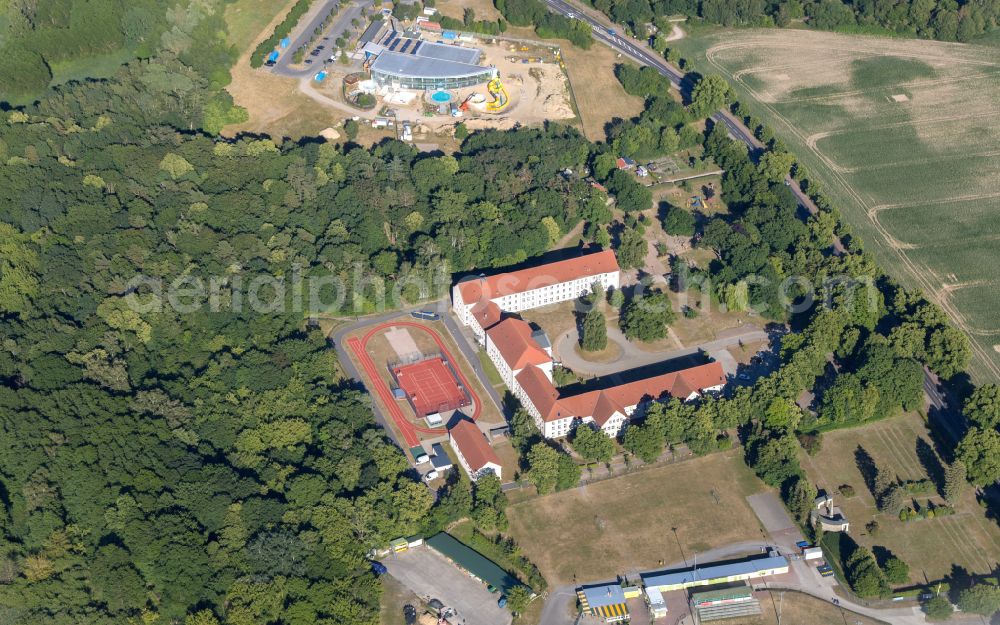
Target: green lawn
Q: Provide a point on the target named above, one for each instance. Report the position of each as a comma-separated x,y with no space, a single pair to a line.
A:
932,547
902,136
100,66
491,371
245,19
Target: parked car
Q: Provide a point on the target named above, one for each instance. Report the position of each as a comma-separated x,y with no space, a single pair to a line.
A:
379,569
409,614
502,602
491,588
431,475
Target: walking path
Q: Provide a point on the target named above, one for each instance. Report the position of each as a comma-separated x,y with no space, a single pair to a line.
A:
632,357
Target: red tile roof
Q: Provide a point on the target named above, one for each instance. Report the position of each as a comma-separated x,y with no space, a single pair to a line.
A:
486,313
523,280
542,392
473,445
512,337
602,404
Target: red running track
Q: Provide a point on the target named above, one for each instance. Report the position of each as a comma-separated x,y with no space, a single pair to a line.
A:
406,427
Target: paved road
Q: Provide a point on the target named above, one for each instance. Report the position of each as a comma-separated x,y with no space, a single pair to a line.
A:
470,351
311,20
633,357
943,409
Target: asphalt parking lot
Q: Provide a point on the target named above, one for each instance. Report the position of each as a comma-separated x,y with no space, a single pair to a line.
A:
428,574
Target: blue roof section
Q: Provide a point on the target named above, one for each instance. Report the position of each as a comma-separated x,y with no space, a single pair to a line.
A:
603,594
687,576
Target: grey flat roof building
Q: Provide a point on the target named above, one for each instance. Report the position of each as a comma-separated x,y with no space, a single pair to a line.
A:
714,573
422,67
417,64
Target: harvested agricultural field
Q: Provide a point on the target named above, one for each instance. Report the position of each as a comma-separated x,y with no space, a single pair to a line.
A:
903,136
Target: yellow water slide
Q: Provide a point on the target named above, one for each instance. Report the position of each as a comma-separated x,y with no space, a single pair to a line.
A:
500,98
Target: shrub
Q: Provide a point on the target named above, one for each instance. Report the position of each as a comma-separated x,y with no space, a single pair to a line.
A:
678,221
938,609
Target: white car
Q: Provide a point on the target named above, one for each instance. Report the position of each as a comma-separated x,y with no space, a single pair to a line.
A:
423,459
431,476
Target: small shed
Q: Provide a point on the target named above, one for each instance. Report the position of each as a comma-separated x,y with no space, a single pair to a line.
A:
657,605
399,545
812,553
440,459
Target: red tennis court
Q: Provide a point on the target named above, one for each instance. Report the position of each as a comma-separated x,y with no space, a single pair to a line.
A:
430,386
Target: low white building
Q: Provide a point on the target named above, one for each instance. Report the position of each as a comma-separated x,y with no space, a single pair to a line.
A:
511,347
473,450
523,357
608,409
525,289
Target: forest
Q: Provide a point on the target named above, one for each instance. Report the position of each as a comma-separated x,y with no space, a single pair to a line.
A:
211,463
37,36
167,459
947,20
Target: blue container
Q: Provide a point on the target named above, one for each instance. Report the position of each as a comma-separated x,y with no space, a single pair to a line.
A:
273,56
286,42
320,77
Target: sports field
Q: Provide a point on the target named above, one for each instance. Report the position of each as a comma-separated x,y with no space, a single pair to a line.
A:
931,546
903,136
629,522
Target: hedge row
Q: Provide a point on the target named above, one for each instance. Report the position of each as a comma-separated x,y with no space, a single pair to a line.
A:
280,31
